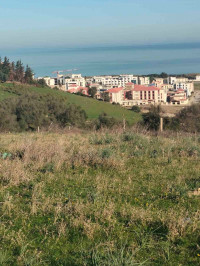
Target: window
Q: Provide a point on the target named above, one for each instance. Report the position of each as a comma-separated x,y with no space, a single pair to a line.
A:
153,95
141,95
145,95
149,95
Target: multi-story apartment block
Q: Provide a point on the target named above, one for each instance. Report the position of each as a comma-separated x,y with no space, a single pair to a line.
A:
173,80
143,80
138,95
74,79
115,81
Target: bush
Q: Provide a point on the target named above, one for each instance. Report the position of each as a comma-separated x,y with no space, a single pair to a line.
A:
105,121
136,109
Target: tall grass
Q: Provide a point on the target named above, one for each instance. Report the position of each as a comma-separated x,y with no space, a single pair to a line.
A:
106,198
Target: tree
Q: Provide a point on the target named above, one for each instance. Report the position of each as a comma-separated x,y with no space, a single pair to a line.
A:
164,75
92,91
12,72
19,71
28,75
105,96
42,83
6,69
152,119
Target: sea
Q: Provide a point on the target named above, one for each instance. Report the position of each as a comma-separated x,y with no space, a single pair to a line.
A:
110,60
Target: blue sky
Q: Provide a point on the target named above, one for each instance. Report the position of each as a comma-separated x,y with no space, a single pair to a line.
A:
48,23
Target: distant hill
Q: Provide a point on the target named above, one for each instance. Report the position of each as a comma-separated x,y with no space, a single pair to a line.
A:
92,107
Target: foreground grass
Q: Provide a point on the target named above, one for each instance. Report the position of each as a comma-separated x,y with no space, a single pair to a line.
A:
99,199
92,107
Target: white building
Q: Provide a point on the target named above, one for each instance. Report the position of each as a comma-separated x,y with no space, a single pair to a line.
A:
188,87
75,80
144,81
115,81
173,80
198,78
51,82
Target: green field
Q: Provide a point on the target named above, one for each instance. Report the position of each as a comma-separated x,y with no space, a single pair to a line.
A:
105,198
92,107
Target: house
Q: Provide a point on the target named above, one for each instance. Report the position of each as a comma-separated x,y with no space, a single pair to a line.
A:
83,90
178,97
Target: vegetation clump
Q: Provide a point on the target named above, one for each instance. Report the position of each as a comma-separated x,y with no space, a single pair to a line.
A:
30,111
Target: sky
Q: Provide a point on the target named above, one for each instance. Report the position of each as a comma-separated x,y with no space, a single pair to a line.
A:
77,23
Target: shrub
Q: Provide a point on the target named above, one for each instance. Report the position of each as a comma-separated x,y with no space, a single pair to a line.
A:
136,109
105,121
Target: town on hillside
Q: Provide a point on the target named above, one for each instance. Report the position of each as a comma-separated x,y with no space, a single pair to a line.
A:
128,90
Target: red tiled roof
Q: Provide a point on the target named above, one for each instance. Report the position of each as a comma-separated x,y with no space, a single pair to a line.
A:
144,88
129,83
115,90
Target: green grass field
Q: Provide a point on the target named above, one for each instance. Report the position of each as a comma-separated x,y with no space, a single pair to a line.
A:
92,107
106,198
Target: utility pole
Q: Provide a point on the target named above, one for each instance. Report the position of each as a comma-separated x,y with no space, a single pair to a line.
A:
161,124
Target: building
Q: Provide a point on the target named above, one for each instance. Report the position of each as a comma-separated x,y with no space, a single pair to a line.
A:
115,81
197,78
137,95
83,90
51,82
143,80
116,95
143,95
178,97
73,79
173,80
188,87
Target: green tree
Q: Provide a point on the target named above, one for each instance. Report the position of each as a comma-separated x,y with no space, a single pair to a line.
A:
28,77
6,69
152,119
19,71
42,83
105,96
92,91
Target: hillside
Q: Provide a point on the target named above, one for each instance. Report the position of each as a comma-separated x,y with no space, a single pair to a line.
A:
99,199
92,107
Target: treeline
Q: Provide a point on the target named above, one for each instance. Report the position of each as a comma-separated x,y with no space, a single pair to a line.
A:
11,71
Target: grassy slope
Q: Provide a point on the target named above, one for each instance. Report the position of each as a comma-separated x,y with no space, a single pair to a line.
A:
103,199
197,86
92,107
